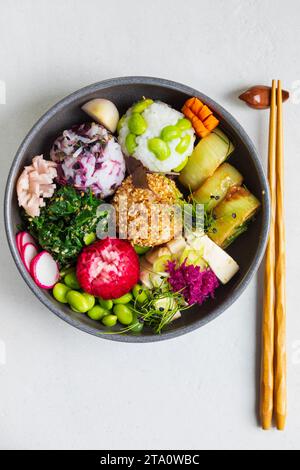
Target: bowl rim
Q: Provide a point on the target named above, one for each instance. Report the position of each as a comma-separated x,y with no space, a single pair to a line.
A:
123,81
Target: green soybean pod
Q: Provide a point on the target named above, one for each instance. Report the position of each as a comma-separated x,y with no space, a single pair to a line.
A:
140,106
90,299
183,144
77,301
60,291
160,148
125,299
139,293
130,143
184,124
124,314
109,320
71,281
107,304
97,312
137,124
170,133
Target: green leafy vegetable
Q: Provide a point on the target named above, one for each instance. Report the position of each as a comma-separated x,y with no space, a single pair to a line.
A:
64,222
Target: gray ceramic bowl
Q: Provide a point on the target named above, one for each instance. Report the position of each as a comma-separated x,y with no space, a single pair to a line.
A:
247,250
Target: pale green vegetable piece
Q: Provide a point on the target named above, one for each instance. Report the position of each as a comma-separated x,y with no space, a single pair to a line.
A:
140,106
89,238
160,264
208,154
109,320
77,301
107,304
160,148
139,293
97,312
137,124
184,124
231,215
60,291
71,281
169,133
215,188
141,250
182,165
90,299
124,299
124,314
183,144
75,309
193,257
130,143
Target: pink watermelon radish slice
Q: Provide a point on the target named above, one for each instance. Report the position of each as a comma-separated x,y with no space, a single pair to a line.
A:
29,251
22,238
44,270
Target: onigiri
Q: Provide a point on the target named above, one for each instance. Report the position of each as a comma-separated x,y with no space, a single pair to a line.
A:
89,157
157,135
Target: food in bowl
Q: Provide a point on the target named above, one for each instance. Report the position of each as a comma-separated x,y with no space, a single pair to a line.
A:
150,275
157,135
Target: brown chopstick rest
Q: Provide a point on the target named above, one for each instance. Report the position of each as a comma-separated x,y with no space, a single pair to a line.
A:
259,96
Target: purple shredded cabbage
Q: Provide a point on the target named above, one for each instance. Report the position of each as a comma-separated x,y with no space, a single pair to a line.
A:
88,156
195,285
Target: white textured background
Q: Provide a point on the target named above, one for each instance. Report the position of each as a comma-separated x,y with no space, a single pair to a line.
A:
60,388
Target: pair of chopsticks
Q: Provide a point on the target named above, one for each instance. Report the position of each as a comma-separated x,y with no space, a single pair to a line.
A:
273,377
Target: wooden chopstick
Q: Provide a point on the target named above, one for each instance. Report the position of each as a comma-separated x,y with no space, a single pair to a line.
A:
273,377
280,312
267,368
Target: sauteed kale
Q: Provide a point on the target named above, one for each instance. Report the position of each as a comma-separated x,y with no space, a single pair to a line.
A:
64,223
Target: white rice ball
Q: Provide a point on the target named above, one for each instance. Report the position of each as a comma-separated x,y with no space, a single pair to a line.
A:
157,115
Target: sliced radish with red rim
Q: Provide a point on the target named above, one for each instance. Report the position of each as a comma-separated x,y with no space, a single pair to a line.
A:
44,270
28,253
22,238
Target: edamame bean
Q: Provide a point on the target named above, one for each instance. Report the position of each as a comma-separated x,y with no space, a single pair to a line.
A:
130,143
184,124
124,314
124,299
77,301
75,309
71,281
89,238
120,123
97,312
160,148
137,124
90,299
140,106
170,133
181,166
136,326
60,291
183,144
139,293
106,304
141,250
109,320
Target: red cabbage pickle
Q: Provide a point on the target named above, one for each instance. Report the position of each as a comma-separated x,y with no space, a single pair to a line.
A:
195,285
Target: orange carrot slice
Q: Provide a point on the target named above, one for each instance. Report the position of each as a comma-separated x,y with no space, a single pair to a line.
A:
200,115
